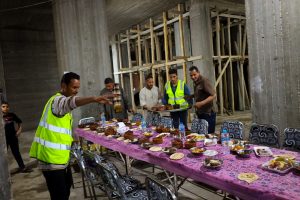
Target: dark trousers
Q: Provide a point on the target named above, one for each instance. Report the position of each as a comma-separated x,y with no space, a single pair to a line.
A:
180,116
13,143
59,183
211,119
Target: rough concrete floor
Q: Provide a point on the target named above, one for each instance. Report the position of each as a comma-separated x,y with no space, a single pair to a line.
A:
32,185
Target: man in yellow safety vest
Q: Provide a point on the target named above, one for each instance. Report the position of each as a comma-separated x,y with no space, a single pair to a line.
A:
175,92
53,138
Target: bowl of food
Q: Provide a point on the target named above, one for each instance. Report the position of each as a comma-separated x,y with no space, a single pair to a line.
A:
213,163
143,140
146,145
296,167
190,143
148,134
236,147
197,150
244,153
169,107
157,140
177,143
159,129
169,150
93,126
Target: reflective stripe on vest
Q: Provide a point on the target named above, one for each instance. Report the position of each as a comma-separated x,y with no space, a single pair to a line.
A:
51,144
55,128
178,97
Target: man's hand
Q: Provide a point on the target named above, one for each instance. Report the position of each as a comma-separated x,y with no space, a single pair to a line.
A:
198,105
18,133
103,99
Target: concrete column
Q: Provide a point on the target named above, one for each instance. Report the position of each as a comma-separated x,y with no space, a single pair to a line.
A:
273,37
5,191
187,45
115,57
83,46
201,37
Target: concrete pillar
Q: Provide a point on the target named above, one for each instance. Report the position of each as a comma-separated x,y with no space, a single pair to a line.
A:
273,37
115,57
201,37
5,192
187,45
83,46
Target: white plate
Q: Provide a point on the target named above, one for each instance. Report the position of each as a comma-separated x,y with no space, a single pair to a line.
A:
266,166
267,150
210,153
163,135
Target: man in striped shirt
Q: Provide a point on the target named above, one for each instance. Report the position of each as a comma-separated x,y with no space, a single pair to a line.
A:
49,148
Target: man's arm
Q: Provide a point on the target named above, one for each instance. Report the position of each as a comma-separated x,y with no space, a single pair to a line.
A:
63,105
209,89
19,124
188,93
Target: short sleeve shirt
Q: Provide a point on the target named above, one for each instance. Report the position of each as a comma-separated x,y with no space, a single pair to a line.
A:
9,120
202,90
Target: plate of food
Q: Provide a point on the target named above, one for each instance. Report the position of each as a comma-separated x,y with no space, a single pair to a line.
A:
146,145
196,136
210,153
147,134
163,135
263,151
280,165
155,148
209,142
176,156
197,150
213,163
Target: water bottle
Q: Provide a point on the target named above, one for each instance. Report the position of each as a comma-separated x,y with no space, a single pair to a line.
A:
224,137
144,125
103,120
182,131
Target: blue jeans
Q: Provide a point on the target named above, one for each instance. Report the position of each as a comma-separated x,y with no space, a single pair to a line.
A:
210,118
180,116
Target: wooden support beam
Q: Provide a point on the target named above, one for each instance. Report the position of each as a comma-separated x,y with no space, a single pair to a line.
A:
220,63
159,26
241,66
218,81
181,36
141,73
166,46
120,60
130,74
230,68
152,50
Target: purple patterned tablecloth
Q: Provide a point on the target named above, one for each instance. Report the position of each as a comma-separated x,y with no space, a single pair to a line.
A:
269,185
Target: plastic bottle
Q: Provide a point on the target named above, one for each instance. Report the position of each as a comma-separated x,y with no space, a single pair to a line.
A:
144,125
103,120
224,137
182,131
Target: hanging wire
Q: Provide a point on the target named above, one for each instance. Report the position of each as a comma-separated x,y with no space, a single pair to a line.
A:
24,7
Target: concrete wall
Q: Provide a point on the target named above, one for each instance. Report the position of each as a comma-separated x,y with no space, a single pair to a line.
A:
273,38
30,72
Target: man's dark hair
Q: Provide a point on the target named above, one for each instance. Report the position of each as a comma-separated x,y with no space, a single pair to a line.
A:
148,76
67,77
192,68
173,71
4,102
108,80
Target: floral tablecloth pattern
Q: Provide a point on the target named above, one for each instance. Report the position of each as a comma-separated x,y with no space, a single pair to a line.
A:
269,186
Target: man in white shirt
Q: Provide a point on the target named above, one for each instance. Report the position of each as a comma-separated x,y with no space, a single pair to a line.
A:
149,94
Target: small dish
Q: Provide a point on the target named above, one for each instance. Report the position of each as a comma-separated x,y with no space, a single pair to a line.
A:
263,151
244,153
197,151
212,163
146,145
210,153
169,150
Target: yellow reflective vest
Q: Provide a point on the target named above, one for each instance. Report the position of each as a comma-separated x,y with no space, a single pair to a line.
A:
178,97
53,137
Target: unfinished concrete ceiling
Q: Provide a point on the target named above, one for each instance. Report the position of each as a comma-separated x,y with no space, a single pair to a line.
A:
121,14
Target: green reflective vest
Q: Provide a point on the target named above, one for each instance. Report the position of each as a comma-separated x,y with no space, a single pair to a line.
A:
53,137
178,97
